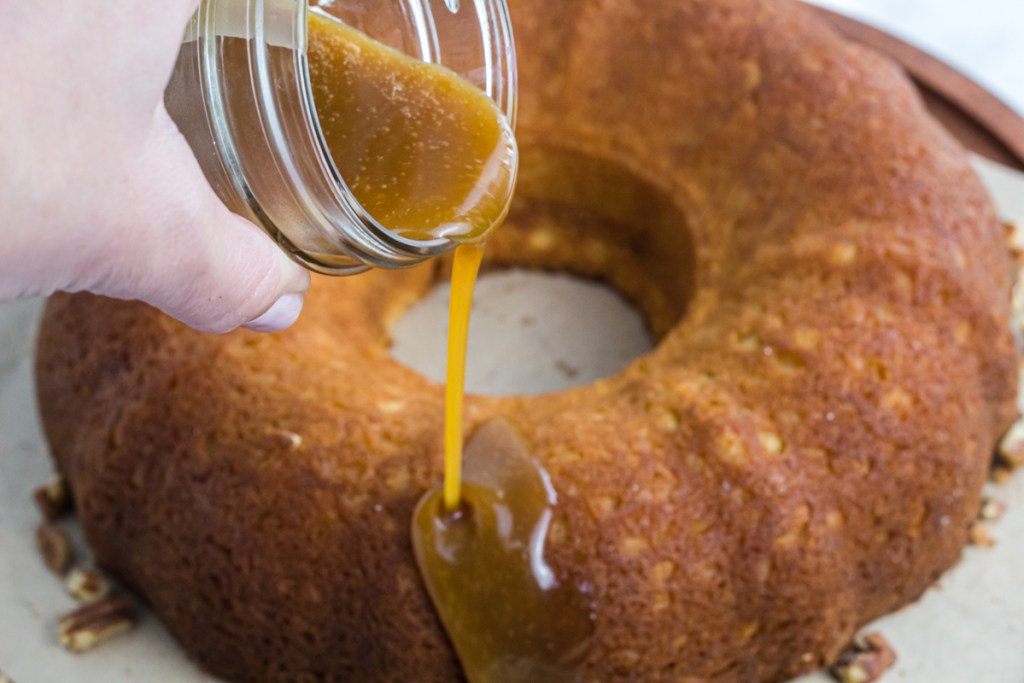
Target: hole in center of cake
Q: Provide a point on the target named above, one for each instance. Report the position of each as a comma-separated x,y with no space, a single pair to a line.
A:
592,265
531,333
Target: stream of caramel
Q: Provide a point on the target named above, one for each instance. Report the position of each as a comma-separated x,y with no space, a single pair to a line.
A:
428,156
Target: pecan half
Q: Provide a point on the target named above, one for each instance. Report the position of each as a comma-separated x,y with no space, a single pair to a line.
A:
980,535
1001,474
53,499
96,623
867,658
54,546
992,510
86,585
1010,452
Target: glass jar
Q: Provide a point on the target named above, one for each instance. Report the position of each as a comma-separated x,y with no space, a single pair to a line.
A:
240,93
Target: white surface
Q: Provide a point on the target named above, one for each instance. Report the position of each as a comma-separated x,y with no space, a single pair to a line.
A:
1010,185
968,628
982,38
531,333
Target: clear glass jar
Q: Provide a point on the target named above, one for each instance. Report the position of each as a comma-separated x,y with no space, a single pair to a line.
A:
241,95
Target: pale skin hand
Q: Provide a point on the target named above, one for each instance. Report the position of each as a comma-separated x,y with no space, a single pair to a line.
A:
98,190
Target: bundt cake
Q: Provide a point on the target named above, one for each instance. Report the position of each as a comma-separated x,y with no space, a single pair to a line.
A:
802,452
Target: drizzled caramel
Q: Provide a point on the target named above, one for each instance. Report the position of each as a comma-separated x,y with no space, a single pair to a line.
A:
464,274
428,155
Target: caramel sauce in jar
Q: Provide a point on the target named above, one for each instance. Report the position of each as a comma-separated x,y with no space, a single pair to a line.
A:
427,154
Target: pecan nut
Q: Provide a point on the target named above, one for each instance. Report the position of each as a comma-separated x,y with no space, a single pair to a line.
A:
980,535
86,585
55,547
992,510
96,623
1010,452
867,658
53,499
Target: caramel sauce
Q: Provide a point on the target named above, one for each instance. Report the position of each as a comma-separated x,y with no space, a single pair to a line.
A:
426,153
509,617
464,274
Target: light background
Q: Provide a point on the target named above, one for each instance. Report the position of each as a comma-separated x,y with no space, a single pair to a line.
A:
982,38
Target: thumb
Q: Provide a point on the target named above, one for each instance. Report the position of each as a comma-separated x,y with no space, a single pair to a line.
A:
178,248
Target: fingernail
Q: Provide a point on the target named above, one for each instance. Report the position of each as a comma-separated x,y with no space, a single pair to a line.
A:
281,315
295,278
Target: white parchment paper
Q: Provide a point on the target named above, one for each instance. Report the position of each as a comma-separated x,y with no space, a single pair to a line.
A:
968,628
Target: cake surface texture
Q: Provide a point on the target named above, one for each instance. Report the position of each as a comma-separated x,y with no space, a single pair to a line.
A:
802,452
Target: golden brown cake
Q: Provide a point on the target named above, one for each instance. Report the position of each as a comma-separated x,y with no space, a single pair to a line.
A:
802,452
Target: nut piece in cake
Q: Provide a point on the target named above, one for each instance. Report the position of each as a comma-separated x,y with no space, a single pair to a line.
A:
95,623
86,585
865,661
53,499
54,546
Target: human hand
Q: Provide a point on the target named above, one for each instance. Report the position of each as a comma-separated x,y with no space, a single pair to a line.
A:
100,192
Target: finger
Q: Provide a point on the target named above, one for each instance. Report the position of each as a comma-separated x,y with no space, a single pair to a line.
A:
181,250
